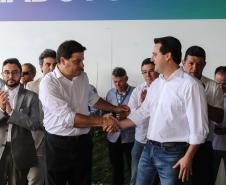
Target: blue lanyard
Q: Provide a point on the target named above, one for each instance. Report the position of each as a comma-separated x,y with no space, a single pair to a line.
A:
121,98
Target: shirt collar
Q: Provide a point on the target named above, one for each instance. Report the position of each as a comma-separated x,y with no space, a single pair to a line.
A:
178,73
14,90
60,75
124,93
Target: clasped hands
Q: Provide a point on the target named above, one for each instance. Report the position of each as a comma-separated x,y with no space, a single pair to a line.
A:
4,102
110,123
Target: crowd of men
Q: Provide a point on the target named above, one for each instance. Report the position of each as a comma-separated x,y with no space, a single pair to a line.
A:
169,130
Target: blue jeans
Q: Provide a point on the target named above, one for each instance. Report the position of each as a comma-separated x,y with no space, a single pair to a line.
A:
155,159
136,153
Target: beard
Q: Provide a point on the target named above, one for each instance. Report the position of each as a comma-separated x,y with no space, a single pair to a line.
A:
12,83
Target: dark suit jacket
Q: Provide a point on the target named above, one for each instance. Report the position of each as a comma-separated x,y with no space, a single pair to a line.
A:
25,117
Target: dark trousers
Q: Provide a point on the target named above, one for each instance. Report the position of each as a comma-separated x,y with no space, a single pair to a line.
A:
202,167
9,174
218,155
117,152
68,159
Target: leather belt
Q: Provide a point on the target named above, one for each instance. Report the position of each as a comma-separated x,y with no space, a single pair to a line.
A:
166,144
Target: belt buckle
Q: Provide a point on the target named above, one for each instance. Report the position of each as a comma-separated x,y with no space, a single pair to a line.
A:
167,144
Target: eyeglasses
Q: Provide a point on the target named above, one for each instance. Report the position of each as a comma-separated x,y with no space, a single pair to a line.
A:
13,73
146,72
26,73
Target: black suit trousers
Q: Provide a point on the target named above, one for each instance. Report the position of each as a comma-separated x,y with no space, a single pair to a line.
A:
68,159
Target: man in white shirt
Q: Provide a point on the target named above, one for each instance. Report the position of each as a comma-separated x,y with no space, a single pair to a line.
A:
47,63
177,108
136,99
65,98
19,114
194,63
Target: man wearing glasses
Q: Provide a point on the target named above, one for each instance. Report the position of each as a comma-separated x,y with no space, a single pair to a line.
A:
19,114
136,99
28,73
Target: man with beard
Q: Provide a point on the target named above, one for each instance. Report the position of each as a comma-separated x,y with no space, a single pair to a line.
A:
19,114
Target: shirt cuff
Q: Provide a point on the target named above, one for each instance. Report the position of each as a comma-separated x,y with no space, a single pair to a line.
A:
10,114
197,139
70,120
1,110
5,113
94,100
135,118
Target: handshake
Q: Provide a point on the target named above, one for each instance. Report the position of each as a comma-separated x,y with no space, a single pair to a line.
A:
111,123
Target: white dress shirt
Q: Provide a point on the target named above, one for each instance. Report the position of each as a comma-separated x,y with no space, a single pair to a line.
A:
134,104
61,99
177,108
215,98
12,101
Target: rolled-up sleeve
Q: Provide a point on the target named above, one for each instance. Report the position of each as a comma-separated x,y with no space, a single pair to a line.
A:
137,116
196,110
133,100
93,98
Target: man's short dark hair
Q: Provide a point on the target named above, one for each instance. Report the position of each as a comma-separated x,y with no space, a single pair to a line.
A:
172,45
32,68
221,70
119,72
67,48
45,54
12,61
147,61
196,51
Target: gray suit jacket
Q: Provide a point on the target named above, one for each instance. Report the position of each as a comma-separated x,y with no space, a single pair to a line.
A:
38,135
25,117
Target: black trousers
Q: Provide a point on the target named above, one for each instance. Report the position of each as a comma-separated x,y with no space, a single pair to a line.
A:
68,159
202,167
118,152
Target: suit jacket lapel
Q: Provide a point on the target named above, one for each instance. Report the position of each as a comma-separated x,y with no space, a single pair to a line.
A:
20,98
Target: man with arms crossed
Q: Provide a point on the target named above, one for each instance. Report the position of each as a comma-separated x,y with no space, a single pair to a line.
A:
177,108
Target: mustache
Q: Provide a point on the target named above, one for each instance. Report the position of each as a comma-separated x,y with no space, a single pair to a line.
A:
16,82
